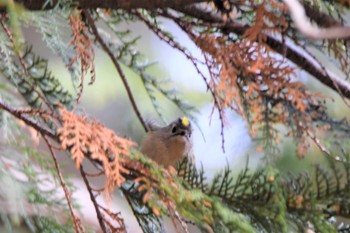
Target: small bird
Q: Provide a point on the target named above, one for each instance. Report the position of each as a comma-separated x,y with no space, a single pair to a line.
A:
170,144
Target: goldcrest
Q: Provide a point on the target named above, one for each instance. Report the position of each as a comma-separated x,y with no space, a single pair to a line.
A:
170,144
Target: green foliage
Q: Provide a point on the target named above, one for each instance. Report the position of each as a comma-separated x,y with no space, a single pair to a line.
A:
280,204
32,194
129,55
205,210
261,91
15,11
56,33
30,74
147,220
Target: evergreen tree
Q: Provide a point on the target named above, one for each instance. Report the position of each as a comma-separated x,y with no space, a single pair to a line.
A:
252,52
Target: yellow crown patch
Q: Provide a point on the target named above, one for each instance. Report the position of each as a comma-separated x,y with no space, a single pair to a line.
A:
184,121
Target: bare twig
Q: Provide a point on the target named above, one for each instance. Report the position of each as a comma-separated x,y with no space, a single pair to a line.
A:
329,75
117,66
128,199
94,174
216,103
319,143
40,112
18,114
115,217
179,224
167,39
21,61
194,62
93,199
321,146
290,52
76,220
303,24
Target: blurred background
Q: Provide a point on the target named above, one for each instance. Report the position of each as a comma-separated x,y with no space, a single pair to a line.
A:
107,102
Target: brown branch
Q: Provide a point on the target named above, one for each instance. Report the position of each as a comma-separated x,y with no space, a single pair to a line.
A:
41,112
312,67
322,147
111,4
19,115
94,174
320,17
290,52
302,23
115,217
76,220
94,202
168,39
21,61
171,42
128,199
105,47
216,103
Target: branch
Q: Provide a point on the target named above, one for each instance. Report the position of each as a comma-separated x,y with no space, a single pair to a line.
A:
111,4
310,30
320,17
309,64
312,66
105,47
93,199
67,194
19,115
22,62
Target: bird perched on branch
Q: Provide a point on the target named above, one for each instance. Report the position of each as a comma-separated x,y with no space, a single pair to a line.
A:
170,144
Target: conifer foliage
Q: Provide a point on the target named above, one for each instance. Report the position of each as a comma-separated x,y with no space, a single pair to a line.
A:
252,55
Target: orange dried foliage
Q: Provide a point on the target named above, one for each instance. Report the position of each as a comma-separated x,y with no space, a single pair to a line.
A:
271,21
92,139
252,78
83,48
296,202
253,69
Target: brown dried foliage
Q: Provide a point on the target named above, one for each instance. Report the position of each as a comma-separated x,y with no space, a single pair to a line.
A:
267,21
83,48
92,139
251,78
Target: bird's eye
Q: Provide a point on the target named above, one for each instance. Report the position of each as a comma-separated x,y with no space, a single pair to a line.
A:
174,129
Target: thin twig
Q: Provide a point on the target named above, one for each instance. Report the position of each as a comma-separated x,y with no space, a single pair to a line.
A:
116,217
166,38
28,121
174,215
21,61
95,174
64,187
290,52
319,144
326,72
41,112
98,191
128,199
93,199
303,24
104,46
194,63
216,103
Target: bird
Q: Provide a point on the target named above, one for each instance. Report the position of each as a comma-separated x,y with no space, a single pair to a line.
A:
170,144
